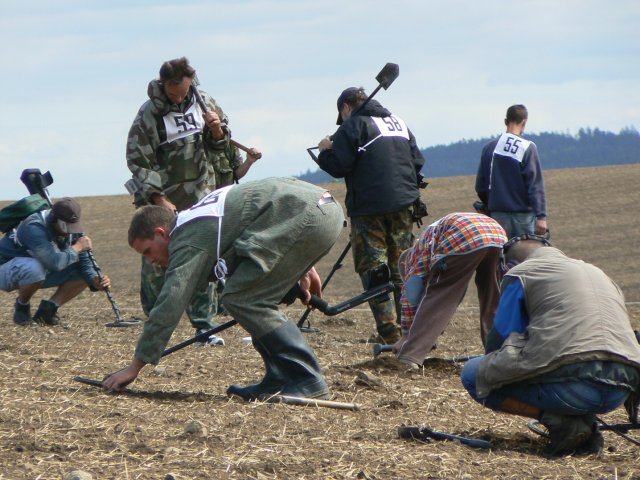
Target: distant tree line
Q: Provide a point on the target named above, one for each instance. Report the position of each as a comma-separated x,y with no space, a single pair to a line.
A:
588,148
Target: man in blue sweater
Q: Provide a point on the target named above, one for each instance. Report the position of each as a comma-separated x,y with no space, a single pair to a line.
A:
509,180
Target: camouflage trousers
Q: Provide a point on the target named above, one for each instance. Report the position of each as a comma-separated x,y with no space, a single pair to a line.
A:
377,240
202,309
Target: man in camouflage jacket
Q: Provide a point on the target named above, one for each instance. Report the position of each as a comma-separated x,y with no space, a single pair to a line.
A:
174,150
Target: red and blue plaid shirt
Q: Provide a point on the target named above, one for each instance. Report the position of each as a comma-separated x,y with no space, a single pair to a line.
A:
453,234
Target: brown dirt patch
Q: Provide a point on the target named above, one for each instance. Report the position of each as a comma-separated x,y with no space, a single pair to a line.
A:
51,425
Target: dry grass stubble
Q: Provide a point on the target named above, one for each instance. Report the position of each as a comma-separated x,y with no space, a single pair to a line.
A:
50,425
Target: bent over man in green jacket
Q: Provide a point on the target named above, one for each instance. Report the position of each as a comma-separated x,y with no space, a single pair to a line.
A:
264,236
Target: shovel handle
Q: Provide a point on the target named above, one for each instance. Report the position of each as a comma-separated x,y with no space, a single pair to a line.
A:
308,402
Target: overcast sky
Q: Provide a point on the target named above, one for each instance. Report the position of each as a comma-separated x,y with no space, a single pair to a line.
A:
74,73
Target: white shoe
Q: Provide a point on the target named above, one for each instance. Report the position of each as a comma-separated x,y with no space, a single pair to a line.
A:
212,341
409,365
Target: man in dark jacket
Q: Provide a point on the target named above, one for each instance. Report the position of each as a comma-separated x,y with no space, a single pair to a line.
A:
39,253
377,155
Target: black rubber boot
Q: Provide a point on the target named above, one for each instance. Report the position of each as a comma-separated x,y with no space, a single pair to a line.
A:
47,313
291,367
390,333
272,380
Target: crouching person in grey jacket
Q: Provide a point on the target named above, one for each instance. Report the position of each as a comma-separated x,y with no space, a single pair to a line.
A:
561,349
260,238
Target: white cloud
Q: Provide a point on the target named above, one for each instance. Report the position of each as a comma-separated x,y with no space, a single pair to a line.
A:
75,73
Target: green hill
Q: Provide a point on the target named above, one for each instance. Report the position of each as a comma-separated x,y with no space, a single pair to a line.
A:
588,148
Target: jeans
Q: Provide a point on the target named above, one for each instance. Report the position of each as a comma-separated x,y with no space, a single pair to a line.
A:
578,397
515,223
27,270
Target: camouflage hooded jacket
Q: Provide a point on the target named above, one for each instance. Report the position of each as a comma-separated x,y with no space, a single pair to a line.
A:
171,151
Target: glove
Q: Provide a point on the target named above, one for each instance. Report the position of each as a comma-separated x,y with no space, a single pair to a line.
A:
419,210
481,207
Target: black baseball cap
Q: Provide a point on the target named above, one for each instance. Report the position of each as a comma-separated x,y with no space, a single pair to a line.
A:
68,210
346,93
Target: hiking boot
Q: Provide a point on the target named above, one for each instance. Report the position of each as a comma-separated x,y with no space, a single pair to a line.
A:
567,433
212,341
595,442
22,314
47,313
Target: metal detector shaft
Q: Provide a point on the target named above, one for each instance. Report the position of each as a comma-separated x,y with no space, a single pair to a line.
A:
200,337
120,321
472,442
379,348
370,294
423,433
107,290
96,383
336,267
317,302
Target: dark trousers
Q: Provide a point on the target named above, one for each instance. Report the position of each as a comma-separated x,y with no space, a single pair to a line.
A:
446,286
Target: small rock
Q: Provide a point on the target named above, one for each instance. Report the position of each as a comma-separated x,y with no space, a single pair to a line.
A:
78,475
367,379
170,476
159,370
195,428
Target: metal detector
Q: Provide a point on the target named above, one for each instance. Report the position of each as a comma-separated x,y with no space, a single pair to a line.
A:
37,182
295,293
425,434
379,348
275,398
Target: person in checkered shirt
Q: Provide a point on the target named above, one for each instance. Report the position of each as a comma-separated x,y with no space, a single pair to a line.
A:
437,270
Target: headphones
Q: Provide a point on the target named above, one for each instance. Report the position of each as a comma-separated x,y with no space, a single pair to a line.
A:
544,239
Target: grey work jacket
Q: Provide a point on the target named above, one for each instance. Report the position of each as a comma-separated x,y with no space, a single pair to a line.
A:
576,314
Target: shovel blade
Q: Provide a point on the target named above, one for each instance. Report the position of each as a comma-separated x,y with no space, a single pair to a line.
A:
388,74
